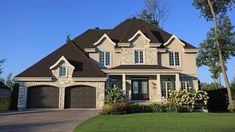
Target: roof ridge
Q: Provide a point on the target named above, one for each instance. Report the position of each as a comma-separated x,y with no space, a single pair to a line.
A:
124,34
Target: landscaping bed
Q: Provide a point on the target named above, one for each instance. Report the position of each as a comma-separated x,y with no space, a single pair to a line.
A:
160,122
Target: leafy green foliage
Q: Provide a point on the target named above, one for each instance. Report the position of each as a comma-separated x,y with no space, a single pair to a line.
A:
114,95
116,108
233,84
5,103
1,62
210,86
209,54
220,7
10,81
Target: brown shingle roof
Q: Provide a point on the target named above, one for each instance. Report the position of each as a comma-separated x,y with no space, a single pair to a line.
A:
140,67
84,67
124,31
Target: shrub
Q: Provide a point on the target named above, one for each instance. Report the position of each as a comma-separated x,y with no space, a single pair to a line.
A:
138,108
116,108
187,100
5,103
231,107
164,108
114,95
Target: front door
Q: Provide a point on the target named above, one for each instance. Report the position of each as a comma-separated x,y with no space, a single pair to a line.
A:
140,90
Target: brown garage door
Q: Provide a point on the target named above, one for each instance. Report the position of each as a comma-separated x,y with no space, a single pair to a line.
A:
43,97
80,97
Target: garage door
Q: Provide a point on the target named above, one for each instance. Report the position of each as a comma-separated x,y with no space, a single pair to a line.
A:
80,97
43,97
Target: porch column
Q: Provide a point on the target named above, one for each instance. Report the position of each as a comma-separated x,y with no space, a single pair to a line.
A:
124,84
177,82
159,91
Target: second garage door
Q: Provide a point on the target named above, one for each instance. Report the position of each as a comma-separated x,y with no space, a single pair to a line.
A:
80,97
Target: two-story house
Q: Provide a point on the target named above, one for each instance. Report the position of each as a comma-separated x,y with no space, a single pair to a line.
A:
139,58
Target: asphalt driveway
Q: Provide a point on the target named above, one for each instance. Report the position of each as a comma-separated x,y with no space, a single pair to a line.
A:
44,120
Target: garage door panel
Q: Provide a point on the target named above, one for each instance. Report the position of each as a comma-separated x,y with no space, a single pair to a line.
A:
80,97
43,97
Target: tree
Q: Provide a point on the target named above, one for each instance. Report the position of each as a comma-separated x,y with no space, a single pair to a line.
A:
1,62
155,12
233,84
9,81
211,10
68,38
208,54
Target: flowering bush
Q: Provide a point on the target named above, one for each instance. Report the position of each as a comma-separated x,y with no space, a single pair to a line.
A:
114,95
188,99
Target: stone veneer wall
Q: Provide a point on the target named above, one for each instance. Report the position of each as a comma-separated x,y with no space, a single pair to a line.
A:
22,101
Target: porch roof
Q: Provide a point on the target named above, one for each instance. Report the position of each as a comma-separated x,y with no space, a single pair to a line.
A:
140,70
140,67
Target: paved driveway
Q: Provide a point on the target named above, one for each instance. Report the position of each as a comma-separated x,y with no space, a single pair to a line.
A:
43,120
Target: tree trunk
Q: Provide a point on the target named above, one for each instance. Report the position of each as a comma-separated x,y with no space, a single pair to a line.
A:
222,64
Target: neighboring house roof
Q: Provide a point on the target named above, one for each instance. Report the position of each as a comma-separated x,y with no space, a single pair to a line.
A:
3,86
124,31
84,67
140,67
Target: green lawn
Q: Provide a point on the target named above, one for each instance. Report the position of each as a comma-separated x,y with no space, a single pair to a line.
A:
160,122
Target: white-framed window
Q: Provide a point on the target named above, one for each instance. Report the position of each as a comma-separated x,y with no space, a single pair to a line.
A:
104,58
139,56
62,71
186,84
174,58
166,87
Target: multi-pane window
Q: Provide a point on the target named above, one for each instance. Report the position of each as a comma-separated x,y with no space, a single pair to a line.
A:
166,87
104,58
186,84
174,59
139,56
107,58
62,71
171,58
101,58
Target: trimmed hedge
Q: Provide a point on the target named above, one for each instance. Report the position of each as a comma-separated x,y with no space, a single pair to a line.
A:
218,100
5,103
120,108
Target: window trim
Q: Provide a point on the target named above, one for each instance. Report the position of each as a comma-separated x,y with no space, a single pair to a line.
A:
138,51
174,59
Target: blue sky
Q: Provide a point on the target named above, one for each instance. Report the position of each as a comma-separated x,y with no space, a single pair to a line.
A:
31,29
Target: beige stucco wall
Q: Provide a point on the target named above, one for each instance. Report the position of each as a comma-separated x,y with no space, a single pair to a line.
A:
187,60
107,45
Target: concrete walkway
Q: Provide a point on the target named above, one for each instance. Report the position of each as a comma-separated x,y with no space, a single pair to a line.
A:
44,120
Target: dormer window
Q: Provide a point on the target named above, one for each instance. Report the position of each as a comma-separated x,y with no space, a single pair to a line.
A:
139,56
104,58
62,71
174,59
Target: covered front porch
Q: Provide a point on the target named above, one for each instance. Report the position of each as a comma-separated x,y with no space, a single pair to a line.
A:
146,86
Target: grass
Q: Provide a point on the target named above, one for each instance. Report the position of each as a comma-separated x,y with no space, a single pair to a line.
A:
160,122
